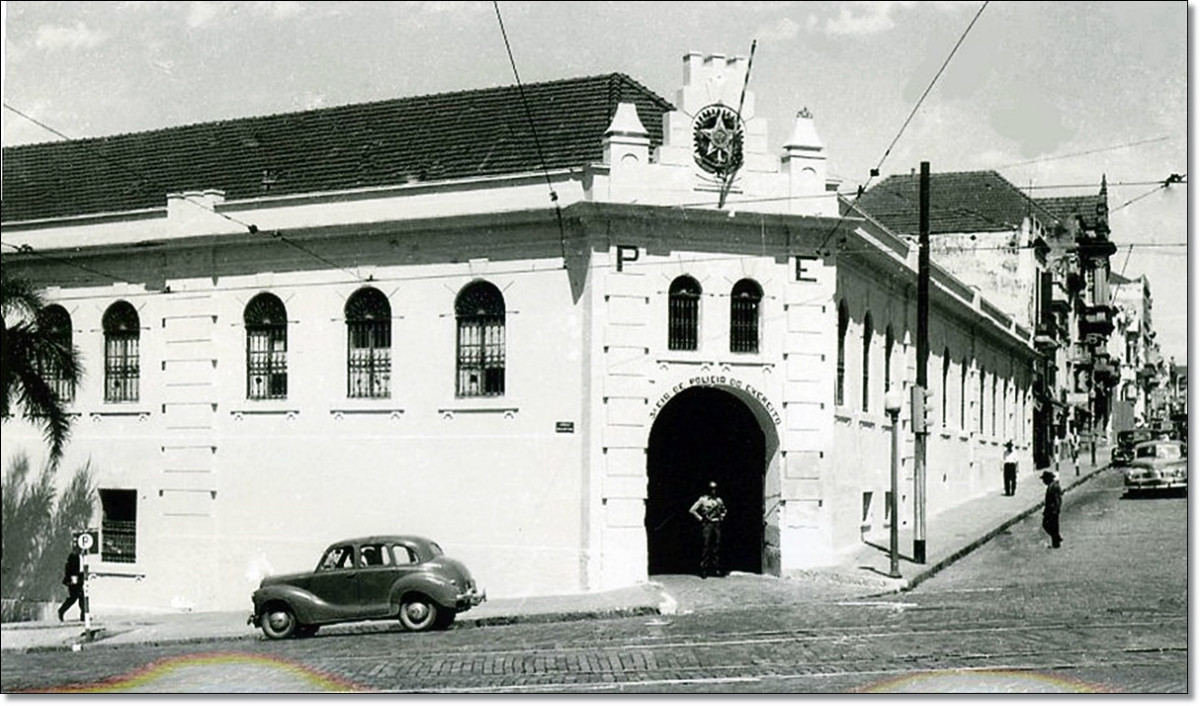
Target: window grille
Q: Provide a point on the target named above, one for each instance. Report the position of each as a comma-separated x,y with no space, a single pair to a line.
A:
839,393
266,348
118,526
744,303
122,366
55,324
369,345
683,315
481,345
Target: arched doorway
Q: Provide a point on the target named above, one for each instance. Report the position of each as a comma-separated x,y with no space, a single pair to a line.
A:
704,434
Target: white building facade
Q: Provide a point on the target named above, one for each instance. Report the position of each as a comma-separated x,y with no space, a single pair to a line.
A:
541,385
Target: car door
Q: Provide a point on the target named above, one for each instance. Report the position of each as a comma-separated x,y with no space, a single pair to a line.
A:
335,583
376,578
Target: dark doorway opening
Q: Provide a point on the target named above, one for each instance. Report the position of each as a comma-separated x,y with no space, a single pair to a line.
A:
704,434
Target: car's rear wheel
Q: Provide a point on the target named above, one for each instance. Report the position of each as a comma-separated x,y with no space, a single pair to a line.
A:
278,623
418,613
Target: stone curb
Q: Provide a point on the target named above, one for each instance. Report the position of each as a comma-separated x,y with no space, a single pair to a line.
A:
100,642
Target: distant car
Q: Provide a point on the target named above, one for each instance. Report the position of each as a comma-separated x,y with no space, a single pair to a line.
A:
1157,465
386,577
1122,453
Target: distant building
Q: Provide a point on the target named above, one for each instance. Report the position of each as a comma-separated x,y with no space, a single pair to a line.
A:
1043,262
1132,346
535,346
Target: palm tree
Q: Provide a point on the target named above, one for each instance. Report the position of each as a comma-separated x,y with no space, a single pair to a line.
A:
32,352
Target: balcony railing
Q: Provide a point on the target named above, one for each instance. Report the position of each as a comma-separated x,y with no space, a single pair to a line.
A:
1096,320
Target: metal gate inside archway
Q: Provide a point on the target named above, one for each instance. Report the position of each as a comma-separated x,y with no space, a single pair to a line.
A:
704,434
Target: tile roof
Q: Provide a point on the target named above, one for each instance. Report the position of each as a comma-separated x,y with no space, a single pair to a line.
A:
1066,208
472,133
959,202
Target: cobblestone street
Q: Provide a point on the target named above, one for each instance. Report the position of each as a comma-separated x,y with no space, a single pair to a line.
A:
1100,614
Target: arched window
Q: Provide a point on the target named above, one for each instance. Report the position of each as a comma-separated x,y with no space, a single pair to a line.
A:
945,387
480,312
122,332
839,390
982,392
266,348
683,314
995,383
744,303
1004,426
866,363
889,343
962,397
368,344
55,324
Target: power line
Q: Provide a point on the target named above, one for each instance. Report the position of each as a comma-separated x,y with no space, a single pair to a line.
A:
875,172
1085,152
1165,184
929,88
250,227
537,144
29,250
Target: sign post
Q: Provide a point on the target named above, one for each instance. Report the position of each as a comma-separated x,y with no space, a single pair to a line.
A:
85,540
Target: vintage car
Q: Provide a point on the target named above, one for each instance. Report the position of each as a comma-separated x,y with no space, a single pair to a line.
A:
1122,452
383,577
1157,465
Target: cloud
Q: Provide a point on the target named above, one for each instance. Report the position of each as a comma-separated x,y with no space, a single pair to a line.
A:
202,13
863,18
53,37
279,10
783,30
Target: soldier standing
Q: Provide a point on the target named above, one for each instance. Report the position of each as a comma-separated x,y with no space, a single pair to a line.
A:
710,510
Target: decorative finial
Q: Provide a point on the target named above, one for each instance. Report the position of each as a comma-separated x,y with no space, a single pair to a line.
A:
804,113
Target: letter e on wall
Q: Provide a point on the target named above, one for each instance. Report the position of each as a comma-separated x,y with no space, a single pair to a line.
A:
804,273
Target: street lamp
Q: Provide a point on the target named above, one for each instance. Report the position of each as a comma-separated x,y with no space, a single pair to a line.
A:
893,400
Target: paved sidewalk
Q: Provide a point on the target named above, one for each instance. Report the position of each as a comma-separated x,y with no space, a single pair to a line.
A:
950,535
954,533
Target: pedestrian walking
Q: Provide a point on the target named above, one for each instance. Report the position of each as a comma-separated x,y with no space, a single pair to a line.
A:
1010,468
1052,508
73,580
710,510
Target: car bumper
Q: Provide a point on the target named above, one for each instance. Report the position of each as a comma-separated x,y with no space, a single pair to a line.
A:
1155,483
470,599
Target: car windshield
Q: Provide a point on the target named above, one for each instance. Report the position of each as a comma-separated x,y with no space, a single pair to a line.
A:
1164,451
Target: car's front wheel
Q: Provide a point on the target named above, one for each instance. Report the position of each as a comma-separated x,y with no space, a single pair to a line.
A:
278,623
418,613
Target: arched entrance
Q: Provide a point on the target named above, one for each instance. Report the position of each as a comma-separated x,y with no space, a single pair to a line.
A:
704,434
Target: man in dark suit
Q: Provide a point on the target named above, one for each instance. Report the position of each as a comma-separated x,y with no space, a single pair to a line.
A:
1052,508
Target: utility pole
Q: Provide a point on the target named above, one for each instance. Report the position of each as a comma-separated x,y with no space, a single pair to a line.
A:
922,433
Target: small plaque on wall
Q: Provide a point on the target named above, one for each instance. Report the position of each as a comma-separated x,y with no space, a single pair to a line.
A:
564,427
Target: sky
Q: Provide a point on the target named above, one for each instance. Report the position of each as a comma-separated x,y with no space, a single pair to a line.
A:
1052,95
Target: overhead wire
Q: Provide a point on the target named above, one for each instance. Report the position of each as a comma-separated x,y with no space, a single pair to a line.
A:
875,171
537,144
1097,150
142,178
